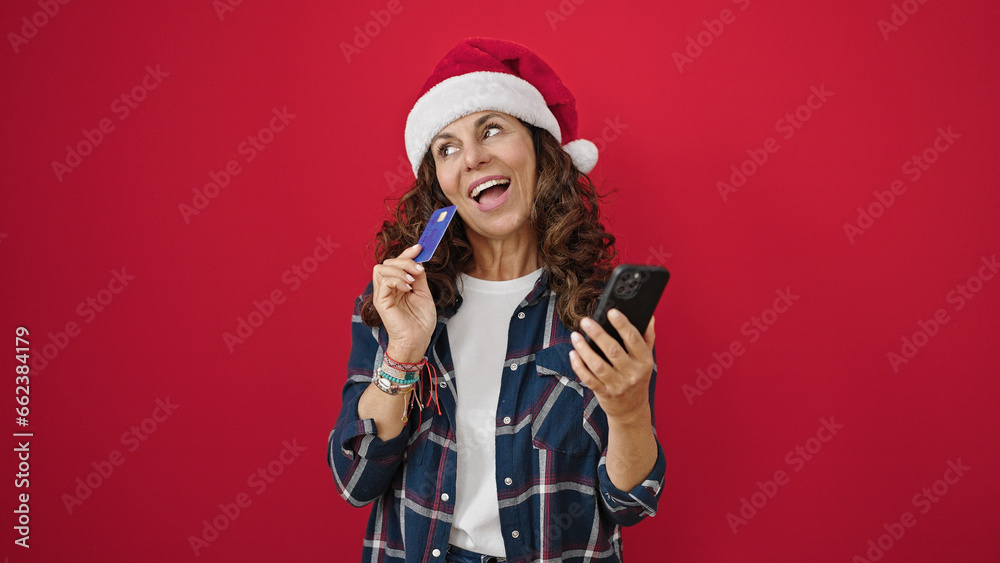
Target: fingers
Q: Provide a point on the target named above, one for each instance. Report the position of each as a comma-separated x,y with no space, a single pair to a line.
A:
622,382
650,336
393,278
411,252
638,348
604,341
400,273
587,358
635,343
405,261
586,376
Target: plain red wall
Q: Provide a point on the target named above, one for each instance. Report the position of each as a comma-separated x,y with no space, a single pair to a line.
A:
671,130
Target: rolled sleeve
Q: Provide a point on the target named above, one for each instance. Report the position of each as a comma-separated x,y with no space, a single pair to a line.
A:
363,464
630,507
359,437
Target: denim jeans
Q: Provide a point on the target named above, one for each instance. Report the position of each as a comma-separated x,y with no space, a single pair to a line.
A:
457,555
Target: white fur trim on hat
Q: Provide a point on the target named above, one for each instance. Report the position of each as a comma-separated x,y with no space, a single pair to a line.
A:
583,153
461,95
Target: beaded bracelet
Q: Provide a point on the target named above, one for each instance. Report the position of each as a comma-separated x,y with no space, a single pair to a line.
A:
397,373
394,377
400,381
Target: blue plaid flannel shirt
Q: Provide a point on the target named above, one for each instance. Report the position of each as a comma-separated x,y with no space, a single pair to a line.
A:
557,502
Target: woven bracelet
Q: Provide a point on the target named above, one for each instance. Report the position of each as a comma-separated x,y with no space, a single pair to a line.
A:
402,366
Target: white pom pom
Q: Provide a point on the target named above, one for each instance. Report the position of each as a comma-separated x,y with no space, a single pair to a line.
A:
583,153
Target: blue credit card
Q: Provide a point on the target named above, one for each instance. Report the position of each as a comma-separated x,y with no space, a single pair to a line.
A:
433,233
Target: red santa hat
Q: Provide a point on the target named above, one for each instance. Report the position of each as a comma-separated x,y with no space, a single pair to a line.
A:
492,74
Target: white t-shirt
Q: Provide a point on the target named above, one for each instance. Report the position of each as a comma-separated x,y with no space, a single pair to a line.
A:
478,338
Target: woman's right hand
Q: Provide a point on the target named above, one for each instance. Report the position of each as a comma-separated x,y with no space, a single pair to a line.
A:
404,302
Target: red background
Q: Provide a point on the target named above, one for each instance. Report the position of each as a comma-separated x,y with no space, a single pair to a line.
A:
326,174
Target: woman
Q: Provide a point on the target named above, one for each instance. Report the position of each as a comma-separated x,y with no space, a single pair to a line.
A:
475,416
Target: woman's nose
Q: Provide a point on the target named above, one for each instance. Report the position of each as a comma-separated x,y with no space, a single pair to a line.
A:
475,155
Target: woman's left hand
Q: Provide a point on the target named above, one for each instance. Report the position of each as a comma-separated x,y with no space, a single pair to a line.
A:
621,386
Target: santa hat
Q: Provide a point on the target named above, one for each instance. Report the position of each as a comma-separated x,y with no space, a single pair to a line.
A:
492,74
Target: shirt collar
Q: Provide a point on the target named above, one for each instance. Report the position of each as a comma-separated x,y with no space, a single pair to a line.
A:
533,297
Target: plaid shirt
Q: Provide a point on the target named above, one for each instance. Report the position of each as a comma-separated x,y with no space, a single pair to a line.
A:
557,502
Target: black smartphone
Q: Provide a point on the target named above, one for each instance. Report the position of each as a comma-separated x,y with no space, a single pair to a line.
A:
634,290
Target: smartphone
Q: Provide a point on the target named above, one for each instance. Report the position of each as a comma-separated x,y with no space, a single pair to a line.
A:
634,290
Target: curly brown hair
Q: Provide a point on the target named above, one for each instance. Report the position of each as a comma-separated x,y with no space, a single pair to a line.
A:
573,245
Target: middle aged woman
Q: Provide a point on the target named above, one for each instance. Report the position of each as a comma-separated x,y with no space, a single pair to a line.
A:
524,444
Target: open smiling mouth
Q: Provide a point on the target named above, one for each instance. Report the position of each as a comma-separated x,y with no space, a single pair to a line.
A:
490,191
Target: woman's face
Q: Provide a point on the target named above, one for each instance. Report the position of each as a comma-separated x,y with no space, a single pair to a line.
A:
486,166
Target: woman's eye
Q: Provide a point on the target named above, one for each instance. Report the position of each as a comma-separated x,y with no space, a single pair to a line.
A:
492,130
445,150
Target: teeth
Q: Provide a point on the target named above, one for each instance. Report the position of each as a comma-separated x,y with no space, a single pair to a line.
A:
488,184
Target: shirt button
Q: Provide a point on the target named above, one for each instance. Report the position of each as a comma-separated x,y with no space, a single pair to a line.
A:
508,481
445,497
513,366
515,534
436,553
520,315
506,420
